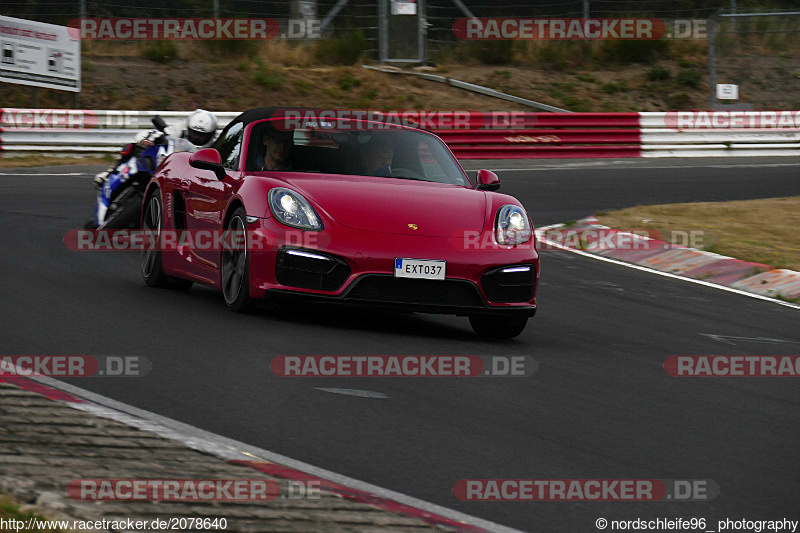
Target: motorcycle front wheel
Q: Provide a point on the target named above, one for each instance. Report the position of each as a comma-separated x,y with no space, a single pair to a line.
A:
126,215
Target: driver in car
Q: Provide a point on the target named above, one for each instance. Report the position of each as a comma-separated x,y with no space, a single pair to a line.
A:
376,158
277,146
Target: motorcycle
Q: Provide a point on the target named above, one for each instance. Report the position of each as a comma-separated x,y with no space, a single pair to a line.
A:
119,200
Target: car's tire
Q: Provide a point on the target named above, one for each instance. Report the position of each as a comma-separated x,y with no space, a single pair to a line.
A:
235,266
498,326
151,268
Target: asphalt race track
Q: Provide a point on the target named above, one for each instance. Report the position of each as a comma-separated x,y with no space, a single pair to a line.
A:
599,406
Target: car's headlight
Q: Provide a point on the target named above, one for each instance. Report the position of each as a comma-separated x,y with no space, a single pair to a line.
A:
292,209
512,226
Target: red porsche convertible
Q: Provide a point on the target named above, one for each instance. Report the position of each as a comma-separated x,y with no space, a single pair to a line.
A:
343,210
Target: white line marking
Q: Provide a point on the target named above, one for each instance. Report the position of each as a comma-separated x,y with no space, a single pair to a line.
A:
355,392
230,449
632,167
38,174
727,339
665,274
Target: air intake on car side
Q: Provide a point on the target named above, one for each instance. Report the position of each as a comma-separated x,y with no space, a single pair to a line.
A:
509,284
309,269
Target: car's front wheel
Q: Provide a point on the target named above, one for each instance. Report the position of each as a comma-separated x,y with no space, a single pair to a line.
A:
151,267
236,264
498,326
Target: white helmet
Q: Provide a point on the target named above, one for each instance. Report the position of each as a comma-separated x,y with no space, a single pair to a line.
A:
200,127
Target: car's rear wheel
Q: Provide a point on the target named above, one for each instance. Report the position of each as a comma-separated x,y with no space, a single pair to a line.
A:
236,264
151,267
498,326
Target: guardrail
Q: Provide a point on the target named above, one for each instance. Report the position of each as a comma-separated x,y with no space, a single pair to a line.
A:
720,133
486,136
550,135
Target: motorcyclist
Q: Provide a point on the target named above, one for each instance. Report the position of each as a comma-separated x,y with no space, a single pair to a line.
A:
196,132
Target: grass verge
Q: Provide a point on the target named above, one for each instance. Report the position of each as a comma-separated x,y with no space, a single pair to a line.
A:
763,231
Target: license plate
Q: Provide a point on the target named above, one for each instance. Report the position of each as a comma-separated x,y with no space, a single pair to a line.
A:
419,268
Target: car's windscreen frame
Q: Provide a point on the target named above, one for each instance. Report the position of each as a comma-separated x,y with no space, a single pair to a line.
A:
355,136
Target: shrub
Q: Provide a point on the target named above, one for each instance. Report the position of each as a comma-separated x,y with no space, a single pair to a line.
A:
161,51
552,55
491,52
574,104
689,78
658,73
347,82
232,48
302,87
678,101
269,79
634,51
341,51
611,87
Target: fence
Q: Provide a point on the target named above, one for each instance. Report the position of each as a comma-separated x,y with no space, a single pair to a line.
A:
522,136
759,52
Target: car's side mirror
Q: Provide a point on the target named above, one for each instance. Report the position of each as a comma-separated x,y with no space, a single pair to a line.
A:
487,181
208,159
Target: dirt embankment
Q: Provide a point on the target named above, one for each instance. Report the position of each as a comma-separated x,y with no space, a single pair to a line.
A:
122,77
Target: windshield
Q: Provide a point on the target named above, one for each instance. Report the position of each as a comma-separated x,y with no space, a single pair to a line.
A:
388,152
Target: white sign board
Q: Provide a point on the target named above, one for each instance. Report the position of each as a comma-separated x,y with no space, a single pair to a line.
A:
727,91
39,54
400,7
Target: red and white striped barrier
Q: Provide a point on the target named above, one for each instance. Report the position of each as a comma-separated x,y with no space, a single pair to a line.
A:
670,134
589,236
519,135
551,135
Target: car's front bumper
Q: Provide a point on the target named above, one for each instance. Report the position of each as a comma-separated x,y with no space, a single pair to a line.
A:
360,269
